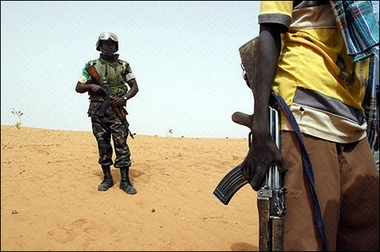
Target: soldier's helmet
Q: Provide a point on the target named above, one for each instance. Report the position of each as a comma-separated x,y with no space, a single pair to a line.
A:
104,36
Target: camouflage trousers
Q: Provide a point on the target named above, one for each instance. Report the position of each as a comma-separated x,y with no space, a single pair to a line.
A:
103,128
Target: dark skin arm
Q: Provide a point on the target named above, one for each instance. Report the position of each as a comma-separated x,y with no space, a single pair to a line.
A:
116,102
263,151
89,87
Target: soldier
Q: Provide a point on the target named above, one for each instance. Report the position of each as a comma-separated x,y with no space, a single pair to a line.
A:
115,73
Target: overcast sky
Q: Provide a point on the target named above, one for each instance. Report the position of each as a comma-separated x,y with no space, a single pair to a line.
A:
185,56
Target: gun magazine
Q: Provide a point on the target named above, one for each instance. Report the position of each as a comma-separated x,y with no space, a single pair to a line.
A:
229,185
105,105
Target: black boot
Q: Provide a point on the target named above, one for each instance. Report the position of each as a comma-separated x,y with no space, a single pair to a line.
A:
125,183
107,181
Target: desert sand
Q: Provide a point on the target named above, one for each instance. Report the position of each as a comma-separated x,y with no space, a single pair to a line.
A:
49,197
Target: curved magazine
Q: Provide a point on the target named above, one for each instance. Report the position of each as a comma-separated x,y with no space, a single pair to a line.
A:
229,185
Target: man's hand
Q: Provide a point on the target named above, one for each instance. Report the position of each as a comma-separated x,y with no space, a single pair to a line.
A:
95,89
91,88
262,153
117,102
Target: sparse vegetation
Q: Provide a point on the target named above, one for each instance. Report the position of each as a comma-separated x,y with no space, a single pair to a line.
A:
18,114
170,132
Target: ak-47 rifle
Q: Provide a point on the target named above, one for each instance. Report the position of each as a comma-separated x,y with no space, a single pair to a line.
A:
121,113
271,196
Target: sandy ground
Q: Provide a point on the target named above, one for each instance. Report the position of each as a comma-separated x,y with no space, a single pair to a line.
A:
49,197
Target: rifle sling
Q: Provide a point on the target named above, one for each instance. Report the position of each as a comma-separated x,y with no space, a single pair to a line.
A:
307,166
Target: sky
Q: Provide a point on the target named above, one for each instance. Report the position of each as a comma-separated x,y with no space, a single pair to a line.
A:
184,54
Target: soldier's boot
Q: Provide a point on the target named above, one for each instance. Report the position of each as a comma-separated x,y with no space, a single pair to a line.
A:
107,181
125,183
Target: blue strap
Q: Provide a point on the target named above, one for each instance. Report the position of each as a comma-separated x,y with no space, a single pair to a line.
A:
308,167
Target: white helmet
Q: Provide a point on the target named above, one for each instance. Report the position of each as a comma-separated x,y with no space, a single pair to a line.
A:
107,36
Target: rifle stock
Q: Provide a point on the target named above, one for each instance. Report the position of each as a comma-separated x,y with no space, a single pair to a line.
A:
94,75
119,112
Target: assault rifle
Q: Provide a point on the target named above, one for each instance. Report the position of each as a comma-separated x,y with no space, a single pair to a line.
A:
270,196
121,113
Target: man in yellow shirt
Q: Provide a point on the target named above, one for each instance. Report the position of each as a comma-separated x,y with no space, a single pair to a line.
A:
302,57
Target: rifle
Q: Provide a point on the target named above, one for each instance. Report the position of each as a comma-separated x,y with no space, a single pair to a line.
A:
121,113
270,196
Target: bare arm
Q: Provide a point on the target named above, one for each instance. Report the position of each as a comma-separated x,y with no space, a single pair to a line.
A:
268,52
90,87
134,88
263,151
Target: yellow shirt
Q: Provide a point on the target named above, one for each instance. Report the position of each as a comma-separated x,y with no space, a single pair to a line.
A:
322,86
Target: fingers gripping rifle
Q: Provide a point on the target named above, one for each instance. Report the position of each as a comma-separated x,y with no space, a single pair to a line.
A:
119,111
271,196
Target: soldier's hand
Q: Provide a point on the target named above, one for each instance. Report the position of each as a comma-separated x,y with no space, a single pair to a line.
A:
263,153
95,89
117,102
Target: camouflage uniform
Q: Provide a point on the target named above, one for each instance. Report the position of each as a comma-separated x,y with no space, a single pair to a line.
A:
106,123
114,74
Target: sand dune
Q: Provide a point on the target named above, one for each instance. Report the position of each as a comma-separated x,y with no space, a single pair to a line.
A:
49,197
